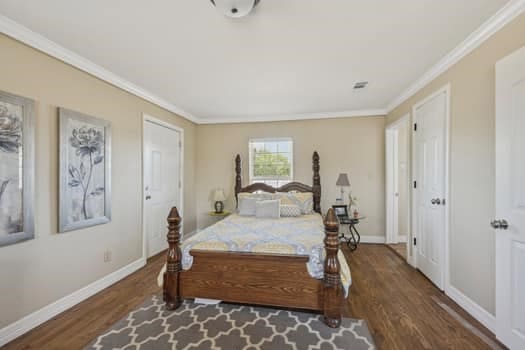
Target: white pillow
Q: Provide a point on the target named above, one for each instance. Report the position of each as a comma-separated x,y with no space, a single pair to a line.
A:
290,210
247,206
268,209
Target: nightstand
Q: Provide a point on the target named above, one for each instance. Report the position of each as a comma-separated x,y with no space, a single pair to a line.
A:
220,216
352,241
341,211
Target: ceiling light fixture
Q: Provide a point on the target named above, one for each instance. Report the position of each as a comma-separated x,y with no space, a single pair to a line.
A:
235,8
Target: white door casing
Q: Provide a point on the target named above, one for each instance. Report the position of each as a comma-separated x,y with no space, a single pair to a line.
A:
393,181
392,190
162,180
510,200
430,200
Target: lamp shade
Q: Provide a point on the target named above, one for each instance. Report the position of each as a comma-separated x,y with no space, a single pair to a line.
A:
342,180
219,196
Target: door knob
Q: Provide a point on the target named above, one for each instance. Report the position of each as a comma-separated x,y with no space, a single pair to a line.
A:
437,201
500,224
433,201
148,197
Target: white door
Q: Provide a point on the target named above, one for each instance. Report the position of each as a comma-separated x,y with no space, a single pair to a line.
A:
162,167
430,176
510,200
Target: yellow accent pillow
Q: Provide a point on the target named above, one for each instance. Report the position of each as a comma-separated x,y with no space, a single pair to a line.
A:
304,200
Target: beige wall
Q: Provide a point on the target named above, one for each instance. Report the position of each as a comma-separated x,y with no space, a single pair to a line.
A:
351,145
472,161
54,265
37,272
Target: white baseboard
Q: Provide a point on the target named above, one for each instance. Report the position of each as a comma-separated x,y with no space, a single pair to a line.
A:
470,306
25,324
373,239
189,234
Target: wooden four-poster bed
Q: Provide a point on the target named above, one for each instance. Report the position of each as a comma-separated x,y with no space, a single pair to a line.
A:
280,280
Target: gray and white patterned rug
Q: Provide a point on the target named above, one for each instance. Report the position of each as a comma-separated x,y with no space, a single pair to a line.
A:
230,327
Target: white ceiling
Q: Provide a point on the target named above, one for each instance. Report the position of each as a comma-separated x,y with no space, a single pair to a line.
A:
286,58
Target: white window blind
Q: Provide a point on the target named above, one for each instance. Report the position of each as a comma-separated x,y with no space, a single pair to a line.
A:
271,161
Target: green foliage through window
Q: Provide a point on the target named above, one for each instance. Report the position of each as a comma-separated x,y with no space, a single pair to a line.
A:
271,161
266,164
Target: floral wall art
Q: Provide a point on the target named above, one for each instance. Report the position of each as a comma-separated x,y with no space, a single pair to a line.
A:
16,168
85,178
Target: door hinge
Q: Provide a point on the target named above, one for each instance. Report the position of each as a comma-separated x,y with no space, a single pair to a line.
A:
180,184
415,184
180,144
415,241
415,126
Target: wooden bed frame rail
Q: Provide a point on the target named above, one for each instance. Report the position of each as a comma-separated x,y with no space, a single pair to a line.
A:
252,278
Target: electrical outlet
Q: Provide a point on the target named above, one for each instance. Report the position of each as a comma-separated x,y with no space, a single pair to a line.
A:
107,256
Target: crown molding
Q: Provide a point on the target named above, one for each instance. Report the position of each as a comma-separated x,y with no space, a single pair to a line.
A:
27,36
505,15
301,116
37,41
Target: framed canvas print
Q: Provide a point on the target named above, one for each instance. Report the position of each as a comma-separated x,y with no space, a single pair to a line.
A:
17,168
85,171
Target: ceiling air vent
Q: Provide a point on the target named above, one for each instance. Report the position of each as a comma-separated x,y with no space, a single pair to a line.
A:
360,85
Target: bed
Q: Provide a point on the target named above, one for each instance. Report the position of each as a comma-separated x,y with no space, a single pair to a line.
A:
286,262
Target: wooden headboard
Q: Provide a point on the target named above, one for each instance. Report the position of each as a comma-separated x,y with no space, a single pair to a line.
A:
292,186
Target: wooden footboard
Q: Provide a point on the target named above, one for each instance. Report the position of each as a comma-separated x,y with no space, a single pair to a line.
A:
263,279
253,278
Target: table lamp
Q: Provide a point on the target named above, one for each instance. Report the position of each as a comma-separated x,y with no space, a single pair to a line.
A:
219,197
342,181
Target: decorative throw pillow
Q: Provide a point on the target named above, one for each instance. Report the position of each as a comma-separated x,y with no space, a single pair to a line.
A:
304,200
247,206
268,209
285,198
290,210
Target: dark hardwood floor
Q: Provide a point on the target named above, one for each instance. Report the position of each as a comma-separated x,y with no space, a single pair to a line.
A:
395,299
399,248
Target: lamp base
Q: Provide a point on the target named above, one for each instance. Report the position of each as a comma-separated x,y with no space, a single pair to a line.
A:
219,207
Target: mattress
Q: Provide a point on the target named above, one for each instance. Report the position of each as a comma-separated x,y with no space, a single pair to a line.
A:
302,236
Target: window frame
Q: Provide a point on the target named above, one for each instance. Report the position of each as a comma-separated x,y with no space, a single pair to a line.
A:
258,179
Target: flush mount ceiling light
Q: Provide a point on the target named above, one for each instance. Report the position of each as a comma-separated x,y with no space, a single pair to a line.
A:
235,8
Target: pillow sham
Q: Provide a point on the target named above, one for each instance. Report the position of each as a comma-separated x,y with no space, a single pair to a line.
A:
290,210
304,200
247,206
268,209
258,195
285,198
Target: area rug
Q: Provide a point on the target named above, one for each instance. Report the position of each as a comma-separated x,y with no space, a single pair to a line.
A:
230,327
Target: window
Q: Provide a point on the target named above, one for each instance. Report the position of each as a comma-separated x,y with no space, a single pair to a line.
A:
271,161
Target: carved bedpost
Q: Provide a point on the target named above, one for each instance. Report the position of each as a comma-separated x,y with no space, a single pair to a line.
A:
173,265
238,179
316,183
333,288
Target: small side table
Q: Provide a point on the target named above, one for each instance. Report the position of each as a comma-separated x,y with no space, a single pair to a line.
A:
354,238
221,216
